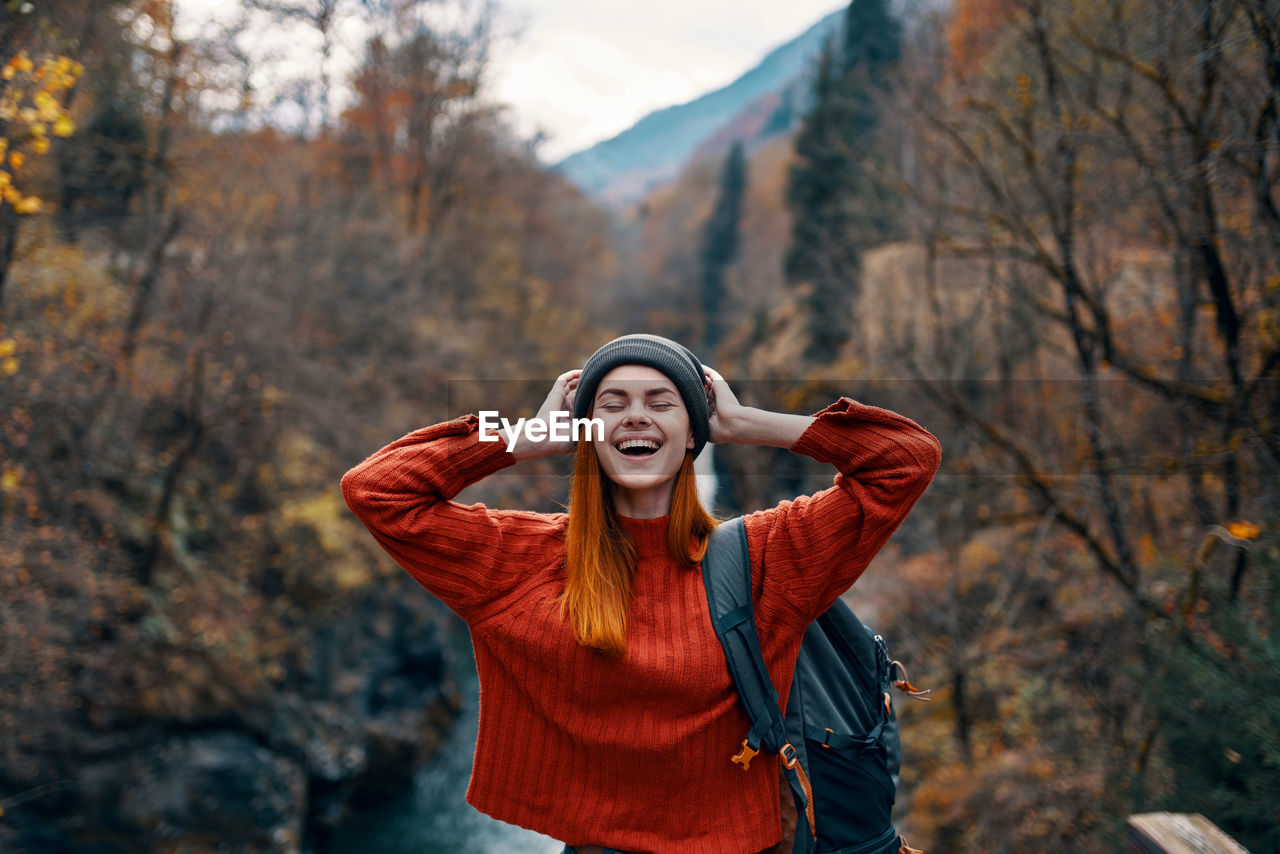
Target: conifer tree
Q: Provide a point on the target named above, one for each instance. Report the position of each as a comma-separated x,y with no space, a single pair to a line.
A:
837,191
720,244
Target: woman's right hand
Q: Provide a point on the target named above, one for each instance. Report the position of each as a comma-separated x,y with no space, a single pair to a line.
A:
559,399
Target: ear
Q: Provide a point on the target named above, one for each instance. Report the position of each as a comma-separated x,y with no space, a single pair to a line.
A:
690,443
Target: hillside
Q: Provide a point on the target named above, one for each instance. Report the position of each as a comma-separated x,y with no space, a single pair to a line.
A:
625,168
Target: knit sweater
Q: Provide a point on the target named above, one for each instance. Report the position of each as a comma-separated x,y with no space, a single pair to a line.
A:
631,752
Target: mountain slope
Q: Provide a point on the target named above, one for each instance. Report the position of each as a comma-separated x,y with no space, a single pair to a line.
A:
622,169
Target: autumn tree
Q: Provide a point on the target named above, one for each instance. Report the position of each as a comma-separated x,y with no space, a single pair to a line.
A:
416,101
1097,306
35,79
242,314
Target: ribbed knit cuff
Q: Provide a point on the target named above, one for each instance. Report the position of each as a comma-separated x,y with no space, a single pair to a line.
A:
468,459
827,439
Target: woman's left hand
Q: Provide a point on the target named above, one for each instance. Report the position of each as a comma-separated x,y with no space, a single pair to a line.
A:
724,407
735,424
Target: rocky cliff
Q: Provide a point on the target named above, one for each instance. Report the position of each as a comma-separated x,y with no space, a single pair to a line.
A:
350,726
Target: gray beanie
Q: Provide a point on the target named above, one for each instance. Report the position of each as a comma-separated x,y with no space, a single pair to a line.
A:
663,354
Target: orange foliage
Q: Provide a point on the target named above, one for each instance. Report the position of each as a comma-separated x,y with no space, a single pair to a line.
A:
973,30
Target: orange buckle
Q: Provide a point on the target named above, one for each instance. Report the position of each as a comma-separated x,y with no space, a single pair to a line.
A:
907,849
788,754
830,732
745,755
904,685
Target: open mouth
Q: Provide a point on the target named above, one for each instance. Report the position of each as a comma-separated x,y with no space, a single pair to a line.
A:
638,447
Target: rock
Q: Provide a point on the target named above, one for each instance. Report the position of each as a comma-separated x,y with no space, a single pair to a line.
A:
373,703
326,740
220,786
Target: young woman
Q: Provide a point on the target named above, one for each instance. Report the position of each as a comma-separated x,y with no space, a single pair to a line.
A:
607,714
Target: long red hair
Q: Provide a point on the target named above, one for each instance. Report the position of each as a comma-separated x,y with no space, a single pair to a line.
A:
600,557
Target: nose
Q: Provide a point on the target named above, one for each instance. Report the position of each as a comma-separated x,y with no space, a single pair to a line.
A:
636,414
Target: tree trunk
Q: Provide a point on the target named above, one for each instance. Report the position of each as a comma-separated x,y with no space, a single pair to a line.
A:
8,243
195,422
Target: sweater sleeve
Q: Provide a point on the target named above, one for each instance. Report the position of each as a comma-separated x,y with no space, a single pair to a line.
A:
807,552
468,555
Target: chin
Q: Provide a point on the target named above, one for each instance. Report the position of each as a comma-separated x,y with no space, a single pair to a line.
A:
641,481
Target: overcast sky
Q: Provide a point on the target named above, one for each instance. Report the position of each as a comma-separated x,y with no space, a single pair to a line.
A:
583,70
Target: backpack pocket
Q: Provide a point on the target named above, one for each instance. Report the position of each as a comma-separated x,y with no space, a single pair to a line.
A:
853,794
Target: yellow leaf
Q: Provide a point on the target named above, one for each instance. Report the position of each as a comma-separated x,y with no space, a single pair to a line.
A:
16,158
9,480
63,126
9,366
7,347
23,62
41,145
8,72
1243,530
29,205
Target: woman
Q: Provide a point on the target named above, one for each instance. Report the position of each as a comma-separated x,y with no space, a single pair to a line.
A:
607,714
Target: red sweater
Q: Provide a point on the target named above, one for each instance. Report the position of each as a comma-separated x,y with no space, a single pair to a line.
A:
633,752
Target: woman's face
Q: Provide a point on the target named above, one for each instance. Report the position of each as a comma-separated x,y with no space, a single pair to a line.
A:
646,427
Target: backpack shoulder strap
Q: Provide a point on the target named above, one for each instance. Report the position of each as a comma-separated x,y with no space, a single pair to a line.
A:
726,574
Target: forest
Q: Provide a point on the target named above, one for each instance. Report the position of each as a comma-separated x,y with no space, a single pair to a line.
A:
1047,231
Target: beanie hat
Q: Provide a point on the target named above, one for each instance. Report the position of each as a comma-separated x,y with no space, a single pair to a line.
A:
672,359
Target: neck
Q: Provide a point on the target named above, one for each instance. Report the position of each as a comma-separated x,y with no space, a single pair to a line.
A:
647,503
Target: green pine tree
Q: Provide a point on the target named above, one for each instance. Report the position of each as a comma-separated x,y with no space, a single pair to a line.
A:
872,40
720,239
839,190
720,245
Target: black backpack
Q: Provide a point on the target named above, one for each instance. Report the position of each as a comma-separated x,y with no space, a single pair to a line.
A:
839,738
